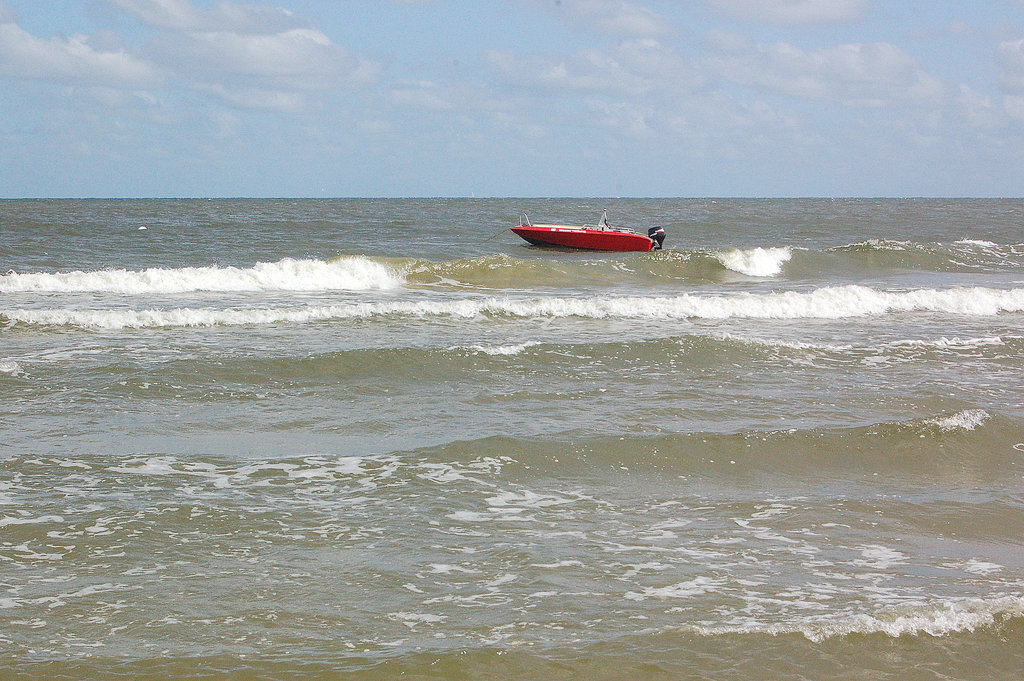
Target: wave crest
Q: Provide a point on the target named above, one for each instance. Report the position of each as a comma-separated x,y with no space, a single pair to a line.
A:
969,419
351,273
755,262
940,619
825,303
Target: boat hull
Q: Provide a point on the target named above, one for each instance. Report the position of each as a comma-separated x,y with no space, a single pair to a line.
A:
568,236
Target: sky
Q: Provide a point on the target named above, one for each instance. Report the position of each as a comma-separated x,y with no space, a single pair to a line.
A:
521,98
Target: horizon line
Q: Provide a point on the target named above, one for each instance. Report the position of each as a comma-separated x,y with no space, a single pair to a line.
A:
500,198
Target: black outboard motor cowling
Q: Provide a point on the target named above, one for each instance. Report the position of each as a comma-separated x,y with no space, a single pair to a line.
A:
657,235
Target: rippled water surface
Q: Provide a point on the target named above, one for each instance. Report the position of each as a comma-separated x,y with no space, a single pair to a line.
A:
372,438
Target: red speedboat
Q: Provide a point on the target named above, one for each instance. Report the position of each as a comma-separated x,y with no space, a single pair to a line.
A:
599,237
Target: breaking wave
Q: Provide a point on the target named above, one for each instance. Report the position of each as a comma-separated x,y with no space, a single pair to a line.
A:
347,273
824,303
756,262
939,619
966,255
505,271
8,366
968,419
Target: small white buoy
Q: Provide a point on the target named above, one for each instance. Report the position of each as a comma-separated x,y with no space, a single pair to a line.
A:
142,228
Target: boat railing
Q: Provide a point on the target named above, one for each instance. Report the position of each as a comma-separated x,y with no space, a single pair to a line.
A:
605,227
602,226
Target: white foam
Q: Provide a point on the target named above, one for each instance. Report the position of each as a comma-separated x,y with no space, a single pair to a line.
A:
9,366
755,262
944,343
880,557
502,515
28,553
946,618
937,619
525,499
695,587
981,567
155,465
28,520
557,564
446,569
825,303
413,619
881,245
969,419
504,579
506,350
780,343
352,273
441,473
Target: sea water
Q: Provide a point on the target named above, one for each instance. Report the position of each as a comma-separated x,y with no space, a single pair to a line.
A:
371,438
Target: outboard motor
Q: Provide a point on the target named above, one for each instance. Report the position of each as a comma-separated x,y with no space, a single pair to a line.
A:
657,235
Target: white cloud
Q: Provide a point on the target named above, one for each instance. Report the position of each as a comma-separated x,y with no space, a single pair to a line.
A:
258,98
251,55
71,60
1011,65
295,59
800,12
867,74
636,122
633,67
617,17
1015,107
182,15
978,110
422,95
611,16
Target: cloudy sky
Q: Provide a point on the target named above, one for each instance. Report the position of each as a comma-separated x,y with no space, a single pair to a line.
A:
511,98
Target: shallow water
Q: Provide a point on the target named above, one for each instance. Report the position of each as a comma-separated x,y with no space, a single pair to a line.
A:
268,439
